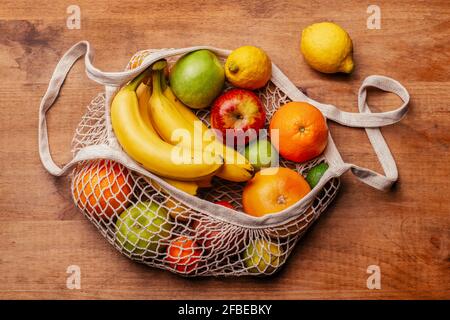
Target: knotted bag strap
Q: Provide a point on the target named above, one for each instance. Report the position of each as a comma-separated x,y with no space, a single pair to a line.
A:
371,122
384,155
59,75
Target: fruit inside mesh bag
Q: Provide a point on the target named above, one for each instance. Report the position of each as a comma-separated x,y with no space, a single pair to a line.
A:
102,188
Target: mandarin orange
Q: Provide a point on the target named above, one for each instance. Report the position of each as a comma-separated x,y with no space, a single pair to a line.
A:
272,190
102,188
302,131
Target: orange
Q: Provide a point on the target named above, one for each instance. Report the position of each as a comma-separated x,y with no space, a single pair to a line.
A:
302,130
102,188
272,190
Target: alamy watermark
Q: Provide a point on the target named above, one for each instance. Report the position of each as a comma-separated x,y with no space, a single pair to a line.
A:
374,19
74,279
374,280
74,19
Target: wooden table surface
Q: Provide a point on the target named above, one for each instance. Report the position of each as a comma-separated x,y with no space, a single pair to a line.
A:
406,232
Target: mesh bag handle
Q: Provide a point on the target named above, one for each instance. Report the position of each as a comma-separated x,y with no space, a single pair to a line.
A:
371,122
62,69
365,118
374,121
59,75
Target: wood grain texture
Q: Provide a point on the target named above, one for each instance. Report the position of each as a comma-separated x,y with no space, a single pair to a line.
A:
406,231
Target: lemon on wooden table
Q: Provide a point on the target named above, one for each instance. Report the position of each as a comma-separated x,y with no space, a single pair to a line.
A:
327,48
248,67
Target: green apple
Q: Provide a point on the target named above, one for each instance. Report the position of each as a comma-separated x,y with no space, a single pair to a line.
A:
261,154
262,256
141,227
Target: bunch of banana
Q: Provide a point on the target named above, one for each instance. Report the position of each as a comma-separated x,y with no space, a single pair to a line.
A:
168,115
143,93
145,146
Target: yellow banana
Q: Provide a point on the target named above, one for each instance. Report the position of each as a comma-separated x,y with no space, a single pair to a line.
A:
168,121
236,167
170,124
147,148
143,93
190,187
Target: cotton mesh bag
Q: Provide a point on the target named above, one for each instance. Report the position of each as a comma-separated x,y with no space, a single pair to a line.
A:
154,223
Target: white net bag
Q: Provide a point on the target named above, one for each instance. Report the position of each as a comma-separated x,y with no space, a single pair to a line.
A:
152,222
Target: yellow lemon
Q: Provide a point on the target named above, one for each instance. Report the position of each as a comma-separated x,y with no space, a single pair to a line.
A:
248,67
327,48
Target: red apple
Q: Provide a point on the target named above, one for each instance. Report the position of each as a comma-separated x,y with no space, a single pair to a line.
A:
183,254
225,204
238,110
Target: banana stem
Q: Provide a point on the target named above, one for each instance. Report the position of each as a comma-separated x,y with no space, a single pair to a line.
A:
158,77
159,65
137,81
156,80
